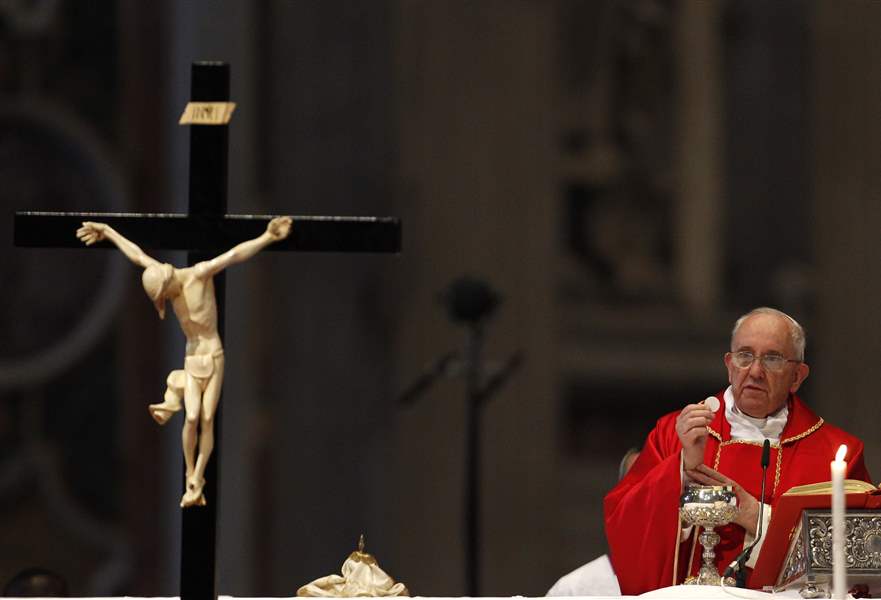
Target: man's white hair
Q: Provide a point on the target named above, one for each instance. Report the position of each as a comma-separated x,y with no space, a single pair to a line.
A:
796,331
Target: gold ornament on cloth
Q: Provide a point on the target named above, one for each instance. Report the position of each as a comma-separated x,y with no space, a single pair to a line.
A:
361,577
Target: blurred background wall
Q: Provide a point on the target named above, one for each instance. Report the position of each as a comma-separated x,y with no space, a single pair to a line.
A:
629,175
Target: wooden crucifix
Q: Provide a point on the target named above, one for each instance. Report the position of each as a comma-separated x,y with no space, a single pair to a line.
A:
205,232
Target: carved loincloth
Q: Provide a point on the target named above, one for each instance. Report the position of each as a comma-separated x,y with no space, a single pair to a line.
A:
202,366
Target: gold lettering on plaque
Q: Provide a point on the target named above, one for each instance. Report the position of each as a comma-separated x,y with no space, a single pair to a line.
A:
207,113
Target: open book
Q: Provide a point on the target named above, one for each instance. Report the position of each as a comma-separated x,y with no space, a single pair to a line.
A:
786,516
851,486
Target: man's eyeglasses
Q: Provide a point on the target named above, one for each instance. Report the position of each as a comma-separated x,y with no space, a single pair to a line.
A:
770,362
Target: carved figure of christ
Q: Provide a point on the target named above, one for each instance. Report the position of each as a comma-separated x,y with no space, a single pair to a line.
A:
191,293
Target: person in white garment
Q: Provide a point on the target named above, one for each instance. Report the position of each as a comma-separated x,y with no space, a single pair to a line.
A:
595,578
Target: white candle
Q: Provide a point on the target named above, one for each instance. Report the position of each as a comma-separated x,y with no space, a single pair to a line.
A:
839,567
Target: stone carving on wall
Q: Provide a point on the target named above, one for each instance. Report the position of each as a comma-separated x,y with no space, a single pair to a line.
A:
617,144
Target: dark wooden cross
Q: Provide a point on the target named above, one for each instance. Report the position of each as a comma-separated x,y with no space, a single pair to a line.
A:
205,232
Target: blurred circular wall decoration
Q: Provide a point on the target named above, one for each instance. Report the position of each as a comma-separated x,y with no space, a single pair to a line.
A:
55,304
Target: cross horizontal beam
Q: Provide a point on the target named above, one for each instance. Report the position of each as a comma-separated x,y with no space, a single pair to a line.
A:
173,231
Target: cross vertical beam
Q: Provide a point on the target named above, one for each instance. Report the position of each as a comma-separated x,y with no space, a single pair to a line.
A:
209,149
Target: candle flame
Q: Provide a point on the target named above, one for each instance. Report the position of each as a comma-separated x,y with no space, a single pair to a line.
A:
842,452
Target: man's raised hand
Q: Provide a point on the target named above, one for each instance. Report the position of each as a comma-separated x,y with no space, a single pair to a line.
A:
691,427
91,232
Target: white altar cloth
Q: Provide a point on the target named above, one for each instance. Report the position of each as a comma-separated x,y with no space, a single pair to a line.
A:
714,592
679,592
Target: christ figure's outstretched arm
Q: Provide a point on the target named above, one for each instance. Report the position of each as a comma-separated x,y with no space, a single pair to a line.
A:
278,229
92,232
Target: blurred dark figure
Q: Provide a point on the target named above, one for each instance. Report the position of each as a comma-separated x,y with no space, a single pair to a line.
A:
36,582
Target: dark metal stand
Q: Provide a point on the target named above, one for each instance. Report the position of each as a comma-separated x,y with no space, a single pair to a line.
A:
469,302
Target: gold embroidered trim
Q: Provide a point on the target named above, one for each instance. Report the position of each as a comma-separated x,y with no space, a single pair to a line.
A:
732,442
777,470
806,433
794,438
752,443
778,446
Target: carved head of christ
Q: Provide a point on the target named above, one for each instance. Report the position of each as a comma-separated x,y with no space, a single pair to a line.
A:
766,362
157,280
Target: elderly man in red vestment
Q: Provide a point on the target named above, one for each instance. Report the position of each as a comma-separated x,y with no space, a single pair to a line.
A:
649,546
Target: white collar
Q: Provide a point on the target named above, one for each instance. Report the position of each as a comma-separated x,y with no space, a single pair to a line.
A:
745,427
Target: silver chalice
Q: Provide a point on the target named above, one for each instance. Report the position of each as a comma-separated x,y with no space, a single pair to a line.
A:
708,506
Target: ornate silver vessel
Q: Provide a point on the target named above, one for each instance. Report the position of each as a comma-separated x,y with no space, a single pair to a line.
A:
809,560
708,507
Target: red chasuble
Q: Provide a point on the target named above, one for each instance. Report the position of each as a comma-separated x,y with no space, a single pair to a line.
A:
642,511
